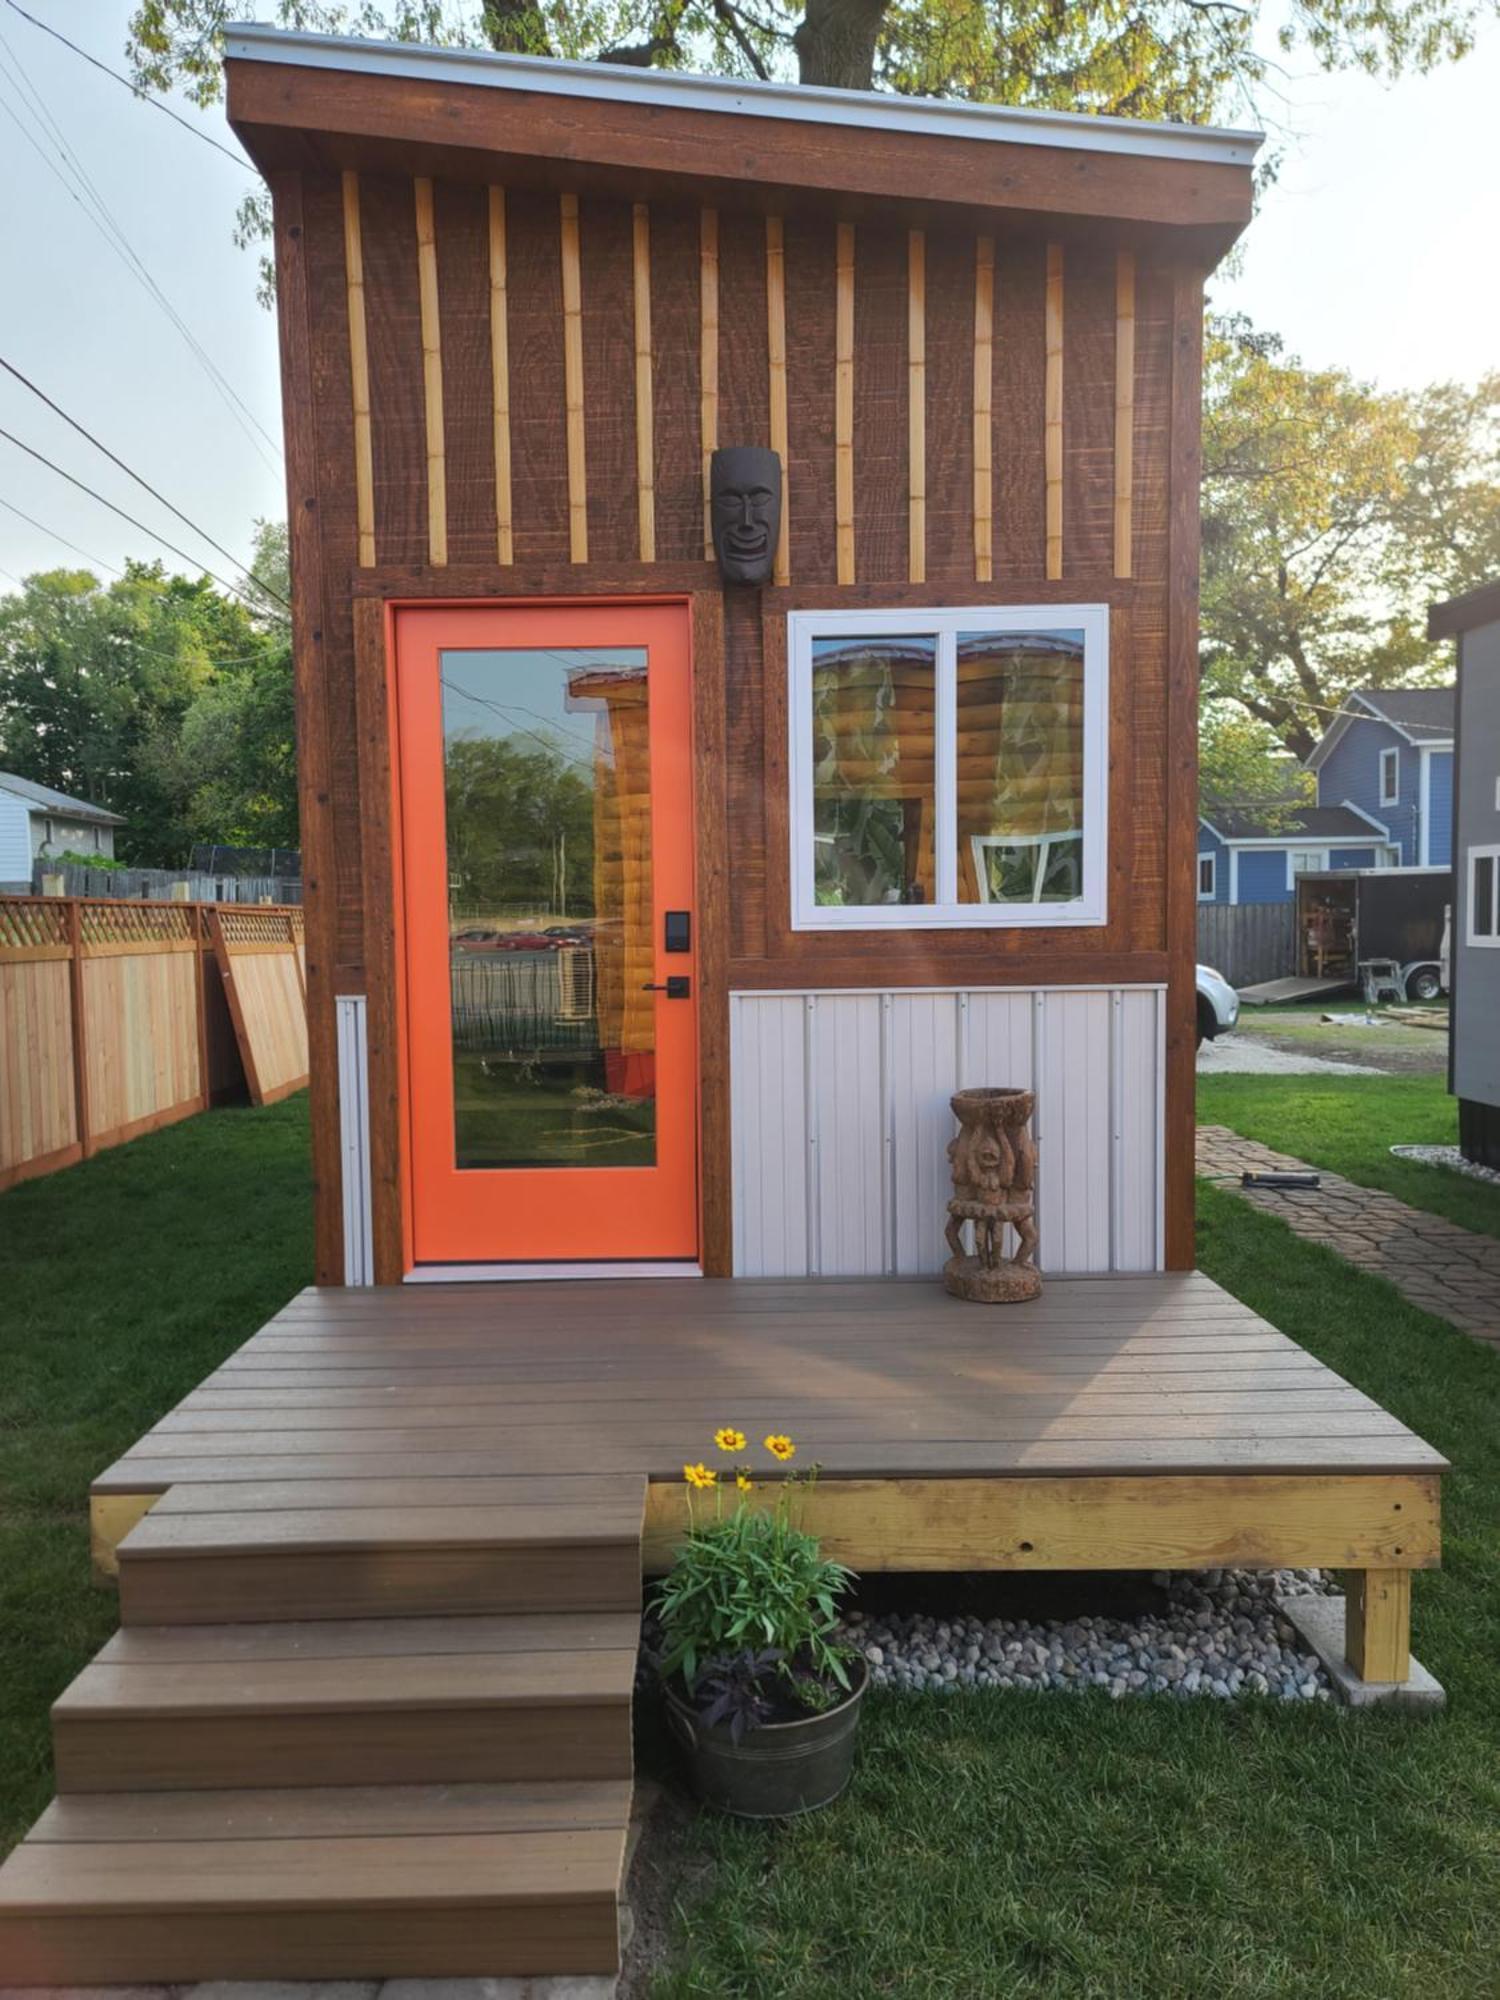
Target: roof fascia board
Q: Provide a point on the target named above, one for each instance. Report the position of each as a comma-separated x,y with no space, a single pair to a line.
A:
809,104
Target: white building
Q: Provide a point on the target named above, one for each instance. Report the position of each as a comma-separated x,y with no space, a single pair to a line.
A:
37,823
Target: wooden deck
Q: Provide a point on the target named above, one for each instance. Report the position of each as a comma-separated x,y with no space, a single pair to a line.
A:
380,1577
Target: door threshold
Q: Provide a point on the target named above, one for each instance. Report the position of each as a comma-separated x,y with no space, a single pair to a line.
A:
500,1274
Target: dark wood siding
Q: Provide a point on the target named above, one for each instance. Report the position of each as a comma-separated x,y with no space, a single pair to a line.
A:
757,947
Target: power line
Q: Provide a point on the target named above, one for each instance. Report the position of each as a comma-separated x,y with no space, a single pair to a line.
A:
141,96
53,536
145,484
238,589
99,213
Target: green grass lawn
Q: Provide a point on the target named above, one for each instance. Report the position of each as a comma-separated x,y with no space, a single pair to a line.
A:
124,1281
1001,1844
1348,1124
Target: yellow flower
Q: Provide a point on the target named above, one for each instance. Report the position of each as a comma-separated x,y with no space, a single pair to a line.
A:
700,1475
780,1447
729,1439
743,1480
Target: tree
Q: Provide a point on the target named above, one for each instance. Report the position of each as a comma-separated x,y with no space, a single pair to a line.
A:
1334,514
157,696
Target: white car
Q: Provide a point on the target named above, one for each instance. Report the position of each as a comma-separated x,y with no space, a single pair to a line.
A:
1218,1004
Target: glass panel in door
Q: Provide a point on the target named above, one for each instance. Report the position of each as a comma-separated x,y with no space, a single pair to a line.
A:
547,798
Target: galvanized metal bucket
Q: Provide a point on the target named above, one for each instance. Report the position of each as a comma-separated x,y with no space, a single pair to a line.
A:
778,1770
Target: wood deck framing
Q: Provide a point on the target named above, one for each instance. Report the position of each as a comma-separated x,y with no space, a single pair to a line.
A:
369,1709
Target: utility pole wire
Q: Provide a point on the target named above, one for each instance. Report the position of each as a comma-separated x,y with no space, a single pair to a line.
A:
145,484
99,213
53,536
142,96
238,589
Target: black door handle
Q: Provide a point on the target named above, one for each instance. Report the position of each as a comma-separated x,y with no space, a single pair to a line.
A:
678,987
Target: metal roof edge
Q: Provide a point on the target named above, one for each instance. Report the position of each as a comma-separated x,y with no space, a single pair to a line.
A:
254,41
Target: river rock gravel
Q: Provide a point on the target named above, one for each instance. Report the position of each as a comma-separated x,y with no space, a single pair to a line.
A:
1219,1636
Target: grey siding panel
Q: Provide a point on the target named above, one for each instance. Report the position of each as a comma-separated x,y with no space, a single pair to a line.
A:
842,1123
1476,968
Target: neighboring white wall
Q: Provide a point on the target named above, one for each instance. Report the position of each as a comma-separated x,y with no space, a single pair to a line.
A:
15,842
841,1123
51,835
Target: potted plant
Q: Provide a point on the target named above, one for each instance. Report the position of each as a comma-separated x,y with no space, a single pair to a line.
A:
759,1690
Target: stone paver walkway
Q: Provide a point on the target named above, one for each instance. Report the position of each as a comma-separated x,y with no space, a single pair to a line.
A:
1438,1266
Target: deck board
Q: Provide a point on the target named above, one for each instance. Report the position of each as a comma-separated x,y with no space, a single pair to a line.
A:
874,1378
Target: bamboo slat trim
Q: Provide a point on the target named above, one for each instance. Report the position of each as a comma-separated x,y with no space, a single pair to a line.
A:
359,374
505,547
1124,409
776,361
984,395
432,375
708,397
843,403
572,291
645,448
916,402
1054,410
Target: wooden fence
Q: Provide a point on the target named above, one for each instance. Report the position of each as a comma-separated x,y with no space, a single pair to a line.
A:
119,1017
1248,942
160,885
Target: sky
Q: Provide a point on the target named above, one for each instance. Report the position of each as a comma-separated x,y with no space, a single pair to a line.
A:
1374,251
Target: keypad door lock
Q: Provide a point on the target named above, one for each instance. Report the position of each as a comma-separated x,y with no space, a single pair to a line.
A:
678,987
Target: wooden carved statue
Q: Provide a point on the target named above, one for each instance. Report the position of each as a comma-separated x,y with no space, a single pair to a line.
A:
994,1172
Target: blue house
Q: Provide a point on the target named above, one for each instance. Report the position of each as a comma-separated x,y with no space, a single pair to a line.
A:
1385,800
1241,860
1389,752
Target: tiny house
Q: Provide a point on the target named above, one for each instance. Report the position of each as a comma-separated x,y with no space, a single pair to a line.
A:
653,916
1474,1044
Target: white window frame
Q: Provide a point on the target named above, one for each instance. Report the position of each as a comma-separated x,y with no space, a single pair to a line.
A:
1489,853
1390,794
1319,864
1208,895
945,623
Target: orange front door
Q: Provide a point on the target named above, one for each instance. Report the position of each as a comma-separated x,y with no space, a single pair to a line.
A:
544,760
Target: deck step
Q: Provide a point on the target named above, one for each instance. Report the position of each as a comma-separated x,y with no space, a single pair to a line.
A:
302,1557
362,1882
391,1702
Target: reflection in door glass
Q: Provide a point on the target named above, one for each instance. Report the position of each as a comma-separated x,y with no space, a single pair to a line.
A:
548,796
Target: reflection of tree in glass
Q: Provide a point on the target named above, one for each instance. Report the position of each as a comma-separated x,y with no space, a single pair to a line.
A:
520,825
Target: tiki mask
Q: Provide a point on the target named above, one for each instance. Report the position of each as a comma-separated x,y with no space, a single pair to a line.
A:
745,499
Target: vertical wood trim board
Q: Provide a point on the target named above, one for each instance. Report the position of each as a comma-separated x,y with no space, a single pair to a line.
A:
505,547
1054,411
432,374
916,404
1124,409
354,1139
708,393
781,570
359,374
645,444
984,400
833,1177
843,403
572,292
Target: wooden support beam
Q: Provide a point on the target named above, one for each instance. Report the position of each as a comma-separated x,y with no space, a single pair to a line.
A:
1054,411
708,360
781,569
645,447
1377,1623
572,291
916,404
1124,409
505,547
432,375
359,373
78,1003
843,403
984,409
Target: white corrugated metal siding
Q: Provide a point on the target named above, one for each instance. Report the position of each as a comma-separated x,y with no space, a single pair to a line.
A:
841,1123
